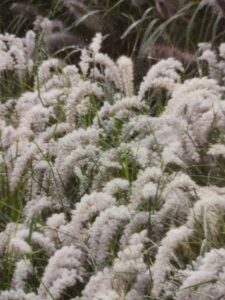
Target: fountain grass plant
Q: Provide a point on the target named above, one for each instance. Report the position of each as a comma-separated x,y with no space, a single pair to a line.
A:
112,189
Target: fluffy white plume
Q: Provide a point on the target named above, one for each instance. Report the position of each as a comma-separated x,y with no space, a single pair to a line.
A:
101,194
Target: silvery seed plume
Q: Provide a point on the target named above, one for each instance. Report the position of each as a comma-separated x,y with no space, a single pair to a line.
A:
59,40
47,26
56,36
163,51
220,6
157,52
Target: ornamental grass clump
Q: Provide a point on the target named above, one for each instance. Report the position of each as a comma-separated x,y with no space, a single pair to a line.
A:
103,196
